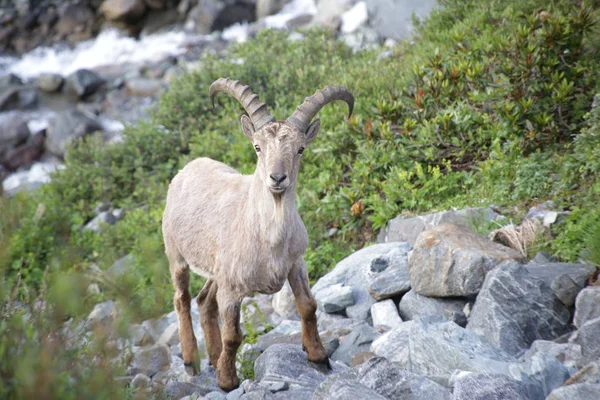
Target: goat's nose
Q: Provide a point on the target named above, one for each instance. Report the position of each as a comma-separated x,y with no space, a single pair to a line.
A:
278,178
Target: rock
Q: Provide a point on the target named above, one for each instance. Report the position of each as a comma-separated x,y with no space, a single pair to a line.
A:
201,17
588,338
335,298
67,126
393,279
485,386
539,375
284,303
413,305
179,390
104,217
156,327
393,19
393,345
408,229
287,363
384,379
587,305
355,271
83,83
566,280
140,381
588,374
32,179
385,313
215,396
452,261
513,309
361,357
543,258
265,8
354,18
49,82
337,387
235,394
359,339
119,267
170,336
128,11
102,313
580,391
139,335
26,154
281,334
144,87
17,98
13,131
278,387
75,19
438,347
150,360
566,353
10,80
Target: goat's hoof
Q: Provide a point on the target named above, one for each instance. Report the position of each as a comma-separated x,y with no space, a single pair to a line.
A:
227,382
192,368
322,365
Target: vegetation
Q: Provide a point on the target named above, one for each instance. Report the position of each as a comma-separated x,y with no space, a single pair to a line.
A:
491,104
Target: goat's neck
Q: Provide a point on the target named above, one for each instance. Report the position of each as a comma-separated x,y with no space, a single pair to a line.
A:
274,213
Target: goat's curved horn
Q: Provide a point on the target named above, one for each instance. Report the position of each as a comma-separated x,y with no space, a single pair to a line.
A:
257,111
306,111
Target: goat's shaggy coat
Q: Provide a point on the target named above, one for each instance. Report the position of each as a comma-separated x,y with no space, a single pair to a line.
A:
242,232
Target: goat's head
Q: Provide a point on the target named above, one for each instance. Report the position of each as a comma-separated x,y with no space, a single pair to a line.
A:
279,144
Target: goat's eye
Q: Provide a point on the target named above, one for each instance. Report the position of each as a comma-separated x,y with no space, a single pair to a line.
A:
301,150
257,148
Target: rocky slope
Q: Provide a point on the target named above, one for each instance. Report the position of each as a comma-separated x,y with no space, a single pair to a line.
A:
452,315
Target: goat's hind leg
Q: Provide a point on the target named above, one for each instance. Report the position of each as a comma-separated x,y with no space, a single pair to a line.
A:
180,274
307,307
209,319
229,308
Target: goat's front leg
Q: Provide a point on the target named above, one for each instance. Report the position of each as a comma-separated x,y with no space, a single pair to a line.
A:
231,334
307,307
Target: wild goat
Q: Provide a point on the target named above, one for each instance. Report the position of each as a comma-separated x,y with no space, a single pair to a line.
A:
243,232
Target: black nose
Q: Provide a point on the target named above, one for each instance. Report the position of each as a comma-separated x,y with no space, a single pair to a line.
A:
278,178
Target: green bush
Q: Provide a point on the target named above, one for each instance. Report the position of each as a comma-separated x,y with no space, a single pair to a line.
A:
485,107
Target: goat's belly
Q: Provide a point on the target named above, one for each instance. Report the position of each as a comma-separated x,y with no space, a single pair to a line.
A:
198,269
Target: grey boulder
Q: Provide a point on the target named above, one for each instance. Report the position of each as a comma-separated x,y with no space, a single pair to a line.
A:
408,229
150,360
486,386
335,298
580,391
393,345
588,337
566,280
67,126
287,363
567,353
385,313
513,309
413,305
284,303
83,83
49,82
439,347
587,305
449,260
359,270
358,340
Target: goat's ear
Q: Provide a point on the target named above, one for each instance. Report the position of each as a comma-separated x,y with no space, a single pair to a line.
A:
312,130
247,126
